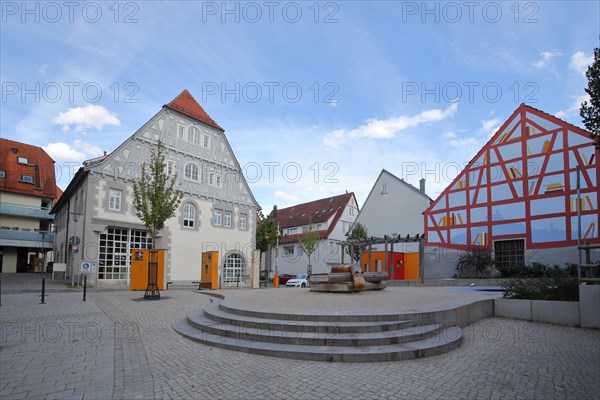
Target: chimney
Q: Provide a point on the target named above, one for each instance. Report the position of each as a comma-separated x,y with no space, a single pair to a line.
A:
274,212
422,185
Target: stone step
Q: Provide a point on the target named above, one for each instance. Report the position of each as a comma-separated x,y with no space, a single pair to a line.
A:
268,321
445,340
290,334
346,317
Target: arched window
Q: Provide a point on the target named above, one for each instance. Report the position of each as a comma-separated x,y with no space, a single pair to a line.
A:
191,171
194,134
234,268
189,215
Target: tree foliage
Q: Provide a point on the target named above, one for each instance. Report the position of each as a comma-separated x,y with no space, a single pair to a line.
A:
590,112
154,196
308,243
359,232
266,234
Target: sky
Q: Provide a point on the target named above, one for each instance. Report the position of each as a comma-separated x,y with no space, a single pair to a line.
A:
316,98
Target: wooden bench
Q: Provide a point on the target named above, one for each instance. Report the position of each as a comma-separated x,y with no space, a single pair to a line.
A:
201,284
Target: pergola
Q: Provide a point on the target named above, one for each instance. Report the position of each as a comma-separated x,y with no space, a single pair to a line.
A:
385,240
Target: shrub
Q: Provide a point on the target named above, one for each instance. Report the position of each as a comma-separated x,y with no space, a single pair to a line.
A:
542,282
476,262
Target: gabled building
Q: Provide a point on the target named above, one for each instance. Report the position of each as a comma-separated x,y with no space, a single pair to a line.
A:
518,197
96,220
331,217
394,207
27,193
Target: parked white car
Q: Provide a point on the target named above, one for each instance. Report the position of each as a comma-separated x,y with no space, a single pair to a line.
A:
299,281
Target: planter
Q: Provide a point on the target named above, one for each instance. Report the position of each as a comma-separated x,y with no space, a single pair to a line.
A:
553,312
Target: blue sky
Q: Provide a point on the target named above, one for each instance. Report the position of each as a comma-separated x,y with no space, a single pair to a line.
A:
315,97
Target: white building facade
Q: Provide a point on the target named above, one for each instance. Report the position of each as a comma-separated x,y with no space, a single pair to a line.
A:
96,220
331,217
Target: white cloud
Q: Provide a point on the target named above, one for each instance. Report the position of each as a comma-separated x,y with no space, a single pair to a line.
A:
490,126
286,197
580,62
547,56
464,141
450,134
90,116
79,151
63,152
43,69
387,128
88,148
574,108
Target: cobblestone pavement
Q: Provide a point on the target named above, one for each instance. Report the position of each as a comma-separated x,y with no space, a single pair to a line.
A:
118,346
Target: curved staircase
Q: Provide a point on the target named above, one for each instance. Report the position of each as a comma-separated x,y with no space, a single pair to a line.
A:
318,337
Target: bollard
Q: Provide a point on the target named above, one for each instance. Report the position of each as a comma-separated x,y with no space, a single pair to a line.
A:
84,286
43,289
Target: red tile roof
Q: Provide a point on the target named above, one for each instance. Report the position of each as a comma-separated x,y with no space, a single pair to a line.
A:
38,165
186,104
314,212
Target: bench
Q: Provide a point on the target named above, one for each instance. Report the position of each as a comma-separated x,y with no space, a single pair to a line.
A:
201,284
263,283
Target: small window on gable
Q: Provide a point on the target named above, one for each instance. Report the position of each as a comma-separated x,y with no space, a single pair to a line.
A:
114,199
191,171
206,141
384,188
2,174
194,134
27,178
170,167
243,220
180,132
22,160
218,180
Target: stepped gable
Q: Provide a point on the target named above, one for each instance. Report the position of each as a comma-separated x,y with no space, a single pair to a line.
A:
186,104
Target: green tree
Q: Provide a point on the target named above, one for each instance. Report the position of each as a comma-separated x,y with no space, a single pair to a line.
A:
590,112
308,243
359,232
155,201
266,235
154,197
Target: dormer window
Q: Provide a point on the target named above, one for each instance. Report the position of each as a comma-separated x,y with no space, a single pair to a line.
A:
23,160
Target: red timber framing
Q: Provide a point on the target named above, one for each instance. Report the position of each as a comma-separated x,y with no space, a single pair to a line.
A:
522,185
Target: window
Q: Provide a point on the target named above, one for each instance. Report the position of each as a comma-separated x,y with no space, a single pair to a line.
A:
22,160
191,171
214,179
27,178
170,167
233,269
509,253
351,210
288,250
2,174
206,142
292,231
114,199
211,178
227,218
189,215
319,227
194,134
243,220
115,249
384,188
218,217
181,131
218,180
